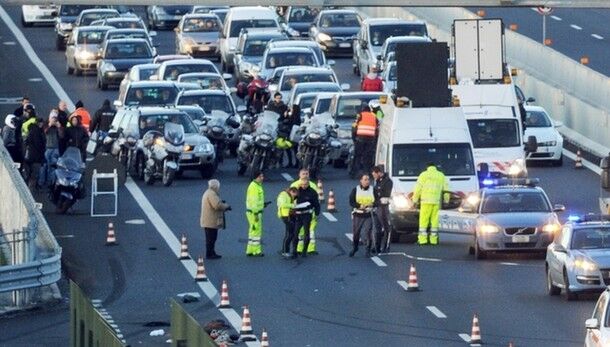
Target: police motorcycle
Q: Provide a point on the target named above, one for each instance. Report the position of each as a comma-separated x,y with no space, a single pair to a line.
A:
257,151
162,152
218,127
318,144
68,186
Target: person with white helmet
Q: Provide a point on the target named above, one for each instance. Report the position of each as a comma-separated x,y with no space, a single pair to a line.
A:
376,109
9,137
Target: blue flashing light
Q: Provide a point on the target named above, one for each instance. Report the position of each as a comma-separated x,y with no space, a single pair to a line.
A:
488,182
573,218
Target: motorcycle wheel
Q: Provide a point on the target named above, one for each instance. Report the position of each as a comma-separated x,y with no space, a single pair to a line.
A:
168,176
255,165
137,169
63,205
149,177
241,170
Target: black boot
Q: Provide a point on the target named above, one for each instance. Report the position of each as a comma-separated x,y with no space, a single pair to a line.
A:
354,250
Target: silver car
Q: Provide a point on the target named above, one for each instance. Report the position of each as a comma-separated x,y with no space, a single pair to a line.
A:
578,261
83,47
198,35
512,217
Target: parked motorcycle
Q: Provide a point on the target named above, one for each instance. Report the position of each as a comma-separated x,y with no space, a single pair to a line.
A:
319,144
257,151
162,152
68,186
217,127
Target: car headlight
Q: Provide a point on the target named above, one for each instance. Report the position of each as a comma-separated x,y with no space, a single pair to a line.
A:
189,43
516,168
551,228
187,148
65,26
584,264
401,202
473,199
487,227
84,55
204,148
159,141
547,144
324,37
108,67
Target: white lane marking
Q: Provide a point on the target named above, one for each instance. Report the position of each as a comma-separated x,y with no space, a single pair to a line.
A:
378,261
556,18
329,216
429,259
29,51
64,236
574,26
11,101
465,337
287,177
135,221
509,264
9,43
172,241
349,236
599,37
35,79
589,165
435,311
403,284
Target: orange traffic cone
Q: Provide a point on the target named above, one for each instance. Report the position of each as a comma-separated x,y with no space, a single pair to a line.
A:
578,161
200,276
320,191
475,335
184,249
264,339
330,206
110,237
412,285
224,296
246,333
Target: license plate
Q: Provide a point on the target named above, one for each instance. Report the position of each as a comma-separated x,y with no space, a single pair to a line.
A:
204,48
521,238
345,44
186,156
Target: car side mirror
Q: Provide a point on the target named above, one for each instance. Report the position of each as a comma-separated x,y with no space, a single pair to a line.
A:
530,99
559,248
592,323
227,76
559,208
531,145
117,103
345,86
241,109
331,62
558,124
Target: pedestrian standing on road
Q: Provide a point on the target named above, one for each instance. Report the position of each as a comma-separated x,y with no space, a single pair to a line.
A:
212,217
102,119
364,133
28,118
54,135
85,116
372,82
35,144
9,138
311,249
362,199
383,193
62,113
76,136
255,204
430,188
285,212
308,206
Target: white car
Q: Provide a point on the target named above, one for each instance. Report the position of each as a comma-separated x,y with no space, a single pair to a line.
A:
38,14
550,142
390,78
598,326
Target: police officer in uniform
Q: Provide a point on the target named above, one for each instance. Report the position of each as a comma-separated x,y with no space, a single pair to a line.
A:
311,248
383,193
430,188
102,119
362,200
307,206
285,212
255,204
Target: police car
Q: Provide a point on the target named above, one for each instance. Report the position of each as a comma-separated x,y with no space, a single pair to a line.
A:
578,261
598,326
511,215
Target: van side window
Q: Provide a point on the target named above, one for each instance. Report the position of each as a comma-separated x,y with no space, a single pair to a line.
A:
599,310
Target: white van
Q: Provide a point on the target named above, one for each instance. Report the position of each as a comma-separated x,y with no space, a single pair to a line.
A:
237,19
409,138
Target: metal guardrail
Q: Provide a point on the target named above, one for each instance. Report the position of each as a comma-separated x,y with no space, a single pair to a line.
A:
185,330
30,275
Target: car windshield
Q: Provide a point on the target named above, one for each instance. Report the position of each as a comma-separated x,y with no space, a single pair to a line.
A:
91,36
255,48
237,25
393,73
275,60
173,71
157,122
537,119
142,96
306,101
290,81
511,201
206,82
221,14
126,24
453,159
350,106
325,88
128,50
323,105
90,17
128,35
145,73
74,10
303,14
379,33
208,102
338,20
591,238
201,25
180,10
492,133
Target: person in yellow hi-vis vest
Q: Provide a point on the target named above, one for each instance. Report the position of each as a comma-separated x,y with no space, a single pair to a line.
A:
311,248
285,212
255,204
429,189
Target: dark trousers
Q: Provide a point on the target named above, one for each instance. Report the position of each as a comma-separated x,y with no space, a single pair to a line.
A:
364,150
211,235
362,223
383,227
304,221
290,237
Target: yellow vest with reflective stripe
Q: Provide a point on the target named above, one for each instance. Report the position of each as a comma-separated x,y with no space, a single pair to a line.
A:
255,198
430,186
284,204
364,197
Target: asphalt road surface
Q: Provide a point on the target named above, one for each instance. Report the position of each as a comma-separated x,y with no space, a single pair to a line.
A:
324,300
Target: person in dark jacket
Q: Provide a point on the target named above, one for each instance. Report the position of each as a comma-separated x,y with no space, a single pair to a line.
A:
277,105
383,193
286,122
35,144
102,119
9,137
19,110
54,135
76,136
307,204
362,200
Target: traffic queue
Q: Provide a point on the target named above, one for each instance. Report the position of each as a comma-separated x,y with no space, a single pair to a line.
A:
458,165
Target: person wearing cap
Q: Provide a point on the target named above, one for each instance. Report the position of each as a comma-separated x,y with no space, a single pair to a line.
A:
35,143
212,217
307,206
364,133
430,188
255,204
362,200
85,116
76,136
311,248
376,109
285,212
372,82
102,118
19,110
9,138
54,134
383,192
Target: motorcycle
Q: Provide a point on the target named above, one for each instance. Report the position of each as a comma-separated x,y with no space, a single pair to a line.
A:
217,127
125,148
162,152
68,186
257,151
318,144
258,96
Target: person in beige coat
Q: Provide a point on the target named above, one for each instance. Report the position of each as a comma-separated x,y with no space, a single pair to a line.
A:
212,217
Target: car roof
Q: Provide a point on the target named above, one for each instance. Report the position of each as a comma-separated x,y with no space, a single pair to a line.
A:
262,32
187,61
534,108
290,50
152,84
146,66
202,74
200,15
128,30
315,84
293,43
94,28
348,94
152,110
295,70
126,40
408,39
512,188
338,11
98,10
123,19
204,92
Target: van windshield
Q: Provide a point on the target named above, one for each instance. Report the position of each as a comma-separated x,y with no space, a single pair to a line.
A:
237,25
493,133
453,159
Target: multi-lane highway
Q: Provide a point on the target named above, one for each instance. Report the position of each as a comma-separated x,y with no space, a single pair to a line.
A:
324,300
